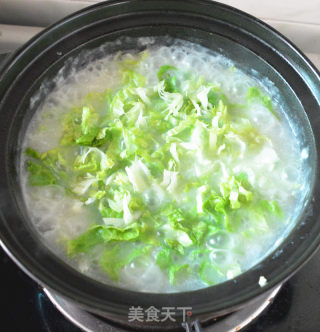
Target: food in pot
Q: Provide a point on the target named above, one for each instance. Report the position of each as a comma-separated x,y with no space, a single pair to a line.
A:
165,170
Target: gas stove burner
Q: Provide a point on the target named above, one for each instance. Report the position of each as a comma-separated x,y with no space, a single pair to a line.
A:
232,322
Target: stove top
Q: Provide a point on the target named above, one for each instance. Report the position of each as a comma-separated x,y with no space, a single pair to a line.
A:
25,306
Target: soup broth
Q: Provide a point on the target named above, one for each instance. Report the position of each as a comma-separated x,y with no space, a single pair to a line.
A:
165,170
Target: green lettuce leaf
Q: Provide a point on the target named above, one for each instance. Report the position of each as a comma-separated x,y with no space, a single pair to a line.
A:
168,74
254,94
97,234
40,175
164,259
113,260
178,272
48,168
235,192
209,273
271,207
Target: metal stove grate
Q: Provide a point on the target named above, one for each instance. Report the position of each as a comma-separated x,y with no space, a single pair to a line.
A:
230,323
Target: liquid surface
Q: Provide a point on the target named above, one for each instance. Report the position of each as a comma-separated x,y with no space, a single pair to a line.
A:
162,171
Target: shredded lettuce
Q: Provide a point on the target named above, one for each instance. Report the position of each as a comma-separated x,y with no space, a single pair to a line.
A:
177,272
172,77
101,234
164,259
209,273
47,168
254,94
113,260
152,162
